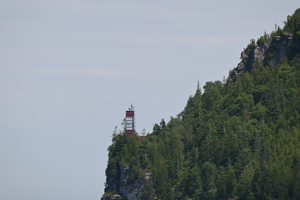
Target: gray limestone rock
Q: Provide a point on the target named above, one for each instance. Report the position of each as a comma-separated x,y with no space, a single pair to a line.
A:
111,197
137,189
266,53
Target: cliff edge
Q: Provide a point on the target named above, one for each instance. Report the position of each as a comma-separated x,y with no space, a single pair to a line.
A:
121,186
268,50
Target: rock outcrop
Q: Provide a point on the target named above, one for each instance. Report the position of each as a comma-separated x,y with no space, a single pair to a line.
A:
266,53
119,187
111,197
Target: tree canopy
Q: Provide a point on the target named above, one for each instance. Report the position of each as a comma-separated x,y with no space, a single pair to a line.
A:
235,140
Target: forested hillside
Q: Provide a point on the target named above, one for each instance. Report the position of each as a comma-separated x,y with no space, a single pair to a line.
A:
236,139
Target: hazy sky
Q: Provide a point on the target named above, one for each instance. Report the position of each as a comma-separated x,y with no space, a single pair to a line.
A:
70,69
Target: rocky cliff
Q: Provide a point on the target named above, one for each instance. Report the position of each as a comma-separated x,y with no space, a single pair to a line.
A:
122,187
268,50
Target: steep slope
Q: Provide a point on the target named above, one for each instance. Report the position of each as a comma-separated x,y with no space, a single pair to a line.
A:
264,52
237,140
269,49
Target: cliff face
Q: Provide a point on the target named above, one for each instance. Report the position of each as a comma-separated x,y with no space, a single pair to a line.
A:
266,53
120,186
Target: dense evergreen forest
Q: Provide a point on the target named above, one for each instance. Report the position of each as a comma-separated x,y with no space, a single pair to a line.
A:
236,139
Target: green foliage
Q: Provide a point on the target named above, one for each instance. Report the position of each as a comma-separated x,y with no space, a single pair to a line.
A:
292,24
236,140
265,39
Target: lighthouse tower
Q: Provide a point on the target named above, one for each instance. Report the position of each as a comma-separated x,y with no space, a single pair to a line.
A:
130,121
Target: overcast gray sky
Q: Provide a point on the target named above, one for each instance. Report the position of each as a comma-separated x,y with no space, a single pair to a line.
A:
70,69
